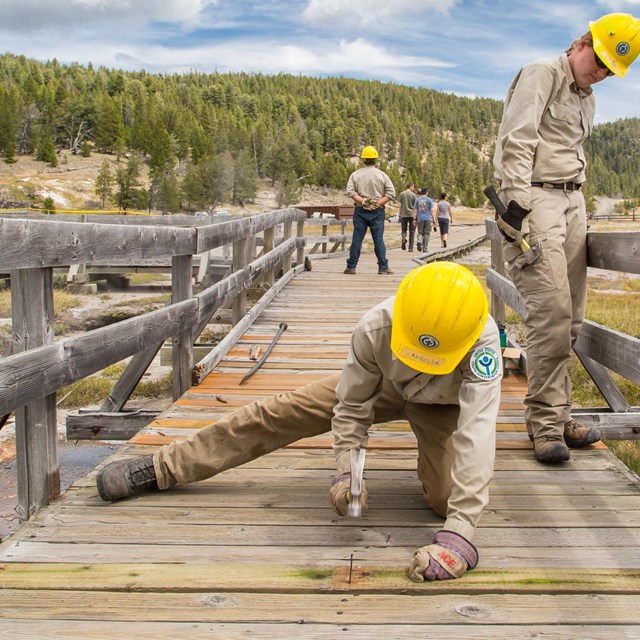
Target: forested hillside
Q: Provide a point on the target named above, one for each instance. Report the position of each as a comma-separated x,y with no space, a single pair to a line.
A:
207,137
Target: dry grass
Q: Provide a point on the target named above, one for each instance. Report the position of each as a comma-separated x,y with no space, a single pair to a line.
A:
62,301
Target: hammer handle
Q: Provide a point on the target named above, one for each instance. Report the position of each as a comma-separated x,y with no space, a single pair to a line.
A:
490,192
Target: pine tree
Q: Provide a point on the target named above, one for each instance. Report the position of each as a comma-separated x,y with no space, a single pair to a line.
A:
104,183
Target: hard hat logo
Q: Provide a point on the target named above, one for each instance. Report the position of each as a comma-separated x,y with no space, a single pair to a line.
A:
623,48
428,342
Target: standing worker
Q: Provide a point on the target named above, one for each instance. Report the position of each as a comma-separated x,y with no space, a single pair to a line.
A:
540,164
429,355
407,199
370,189
423,209
445,218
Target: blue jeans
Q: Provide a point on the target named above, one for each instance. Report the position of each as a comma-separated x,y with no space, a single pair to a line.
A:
374,220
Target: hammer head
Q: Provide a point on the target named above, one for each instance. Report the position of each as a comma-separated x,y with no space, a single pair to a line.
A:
529,254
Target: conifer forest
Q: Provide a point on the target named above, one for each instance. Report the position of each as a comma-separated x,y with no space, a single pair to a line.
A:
208,137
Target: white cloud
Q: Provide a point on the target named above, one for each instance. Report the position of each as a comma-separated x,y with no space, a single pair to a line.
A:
356,57
368,12
49,15
620,6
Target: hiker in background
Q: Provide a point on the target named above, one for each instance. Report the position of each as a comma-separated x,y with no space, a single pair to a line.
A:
429,355
370,189
423,212
445,218
407,200
541,166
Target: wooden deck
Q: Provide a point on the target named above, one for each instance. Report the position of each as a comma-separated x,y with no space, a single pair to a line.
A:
257,553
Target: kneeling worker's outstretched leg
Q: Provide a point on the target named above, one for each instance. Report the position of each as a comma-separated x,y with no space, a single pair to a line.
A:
244,435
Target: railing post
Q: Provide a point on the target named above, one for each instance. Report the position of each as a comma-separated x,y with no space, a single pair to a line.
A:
344,231
36,423
300,234
269,235
182,346
325,226
286,263
239,261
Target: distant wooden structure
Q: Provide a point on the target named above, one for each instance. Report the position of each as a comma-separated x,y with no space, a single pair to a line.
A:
339,212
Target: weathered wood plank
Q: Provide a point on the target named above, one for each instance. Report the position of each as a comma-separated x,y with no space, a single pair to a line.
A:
299,628
194,577
38,243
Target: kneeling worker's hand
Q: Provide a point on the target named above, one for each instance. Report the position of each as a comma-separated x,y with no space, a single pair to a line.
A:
340,494
448,557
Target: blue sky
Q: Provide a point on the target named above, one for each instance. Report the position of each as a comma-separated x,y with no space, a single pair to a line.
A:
471,48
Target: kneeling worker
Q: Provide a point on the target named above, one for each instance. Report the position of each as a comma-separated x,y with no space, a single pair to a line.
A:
429,355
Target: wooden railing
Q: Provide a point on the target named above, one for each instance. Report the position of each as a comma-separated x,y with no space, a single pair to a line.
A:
600,349
38,366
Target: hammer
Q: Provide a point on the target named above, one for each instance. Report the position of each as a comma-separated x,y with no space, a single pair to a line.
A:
529,255
356,457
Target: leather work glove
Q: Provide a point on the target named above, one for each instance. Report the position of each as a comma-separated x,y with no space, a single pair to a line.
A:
510,222
448,557
370,204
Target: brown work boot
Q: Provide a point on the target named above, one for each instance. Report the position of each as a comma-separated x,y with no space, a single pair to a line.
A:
350,270
386,272
550,449
576,435
125,478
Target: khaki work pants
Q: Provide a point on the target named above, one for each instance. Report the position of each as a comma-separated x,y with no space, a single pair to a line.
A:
267,425
554,292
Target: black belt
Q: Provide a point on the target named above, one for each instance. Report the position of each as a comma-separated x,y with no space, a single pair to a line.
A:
564,186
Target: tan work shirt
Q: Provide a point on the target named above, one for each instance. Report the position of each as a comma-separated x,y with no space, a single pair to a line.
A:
370,182
545,121
371,363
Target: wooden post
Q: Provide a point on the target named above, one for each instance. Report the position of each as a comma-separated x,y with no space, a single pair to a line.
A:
182,289
36,423
239,261
286,263
325,226
269,235
344,231
300,234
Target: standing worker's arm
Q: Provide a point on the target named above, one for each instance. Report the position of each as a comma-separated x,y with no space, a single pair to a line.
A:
527,101
352,191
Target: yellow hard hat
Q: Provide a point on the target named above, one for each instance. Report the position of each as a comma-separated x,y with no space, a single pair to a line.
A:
616,41
369,153
439,312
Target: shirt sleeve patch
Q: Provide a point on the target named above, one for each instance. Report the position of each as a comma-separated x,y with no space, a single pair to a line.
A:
485,363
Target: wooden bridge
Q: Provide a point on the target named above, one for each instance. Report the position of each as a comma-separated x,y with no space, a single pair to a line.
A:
256,552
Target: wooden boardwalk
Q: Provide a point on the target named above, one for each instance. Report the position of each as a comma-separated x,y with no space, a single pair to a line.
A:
257,553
